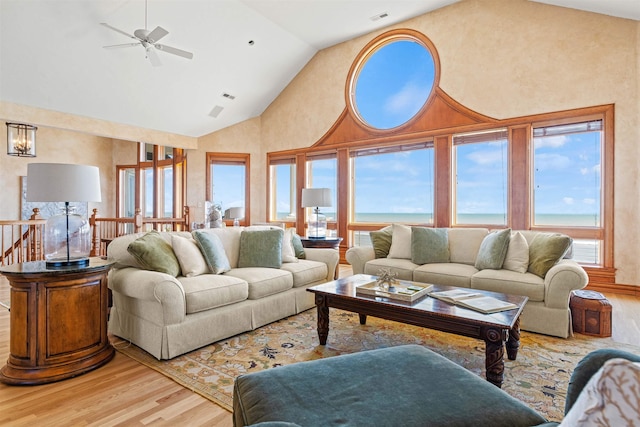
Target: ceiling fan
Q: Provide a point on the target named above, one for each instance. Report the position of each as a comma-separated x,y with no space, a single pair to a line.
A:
148,40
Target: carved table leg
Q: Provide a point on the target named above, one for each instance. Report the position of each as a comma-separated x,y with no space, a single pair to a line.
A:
323,319
494,340
513,344
363,319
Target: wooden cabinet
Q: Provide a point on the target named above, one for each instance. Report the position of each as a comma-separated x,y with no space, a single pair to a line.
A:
58,321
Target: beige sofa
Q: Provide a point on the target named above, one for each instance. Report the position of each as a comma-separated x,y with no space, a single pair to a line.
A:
547,310
168,316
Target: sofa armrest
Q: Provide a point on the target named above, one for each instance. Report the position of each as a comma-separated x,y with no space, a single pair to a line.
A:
587,367
331,257
152,286
563,278
358,256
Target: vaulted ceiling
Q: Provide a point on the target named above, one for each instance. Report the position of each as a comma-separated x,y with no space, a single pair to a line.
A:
245,52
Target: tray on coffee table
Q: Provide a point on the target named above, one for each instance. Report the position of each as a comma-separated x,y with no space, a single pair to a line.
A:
400,290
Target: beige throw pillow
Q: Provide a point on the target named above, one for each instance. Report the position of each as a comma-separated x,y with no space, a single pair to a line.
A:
191,261
288,252
400,242
517,258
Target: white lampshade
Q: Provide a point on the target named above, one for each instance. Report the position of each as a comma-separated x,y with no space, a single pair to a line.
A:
316,197
234,213
60,182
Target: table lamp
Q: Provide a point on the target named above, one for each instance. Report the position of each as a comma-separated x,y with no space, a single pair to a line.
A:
67,239
316,198
235,213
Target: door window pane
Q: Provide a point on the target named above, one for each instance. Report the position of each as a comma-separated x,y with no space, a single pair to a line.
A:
323,173
481,186
228,185
283,191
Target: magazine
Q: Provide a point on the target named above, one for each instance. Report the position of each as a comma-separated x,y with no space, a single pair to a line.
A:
474,301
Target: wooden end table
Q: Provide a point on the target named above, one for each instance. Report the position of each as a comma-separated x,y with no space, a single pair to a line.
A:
58,321
497,330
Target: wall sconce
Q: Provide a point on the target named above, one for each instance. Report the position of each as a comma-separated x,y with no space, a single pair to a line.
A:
21,140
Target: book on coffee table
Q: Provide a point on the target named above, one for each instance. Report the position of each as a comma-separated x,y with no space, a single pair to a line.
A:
474,301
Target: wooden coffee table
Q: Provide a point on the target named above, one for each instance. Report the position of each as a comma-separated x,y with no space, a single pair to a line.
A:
497,330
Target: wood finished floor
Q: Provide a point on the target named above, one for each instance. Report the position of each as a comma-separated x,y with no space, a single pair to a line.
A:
126,393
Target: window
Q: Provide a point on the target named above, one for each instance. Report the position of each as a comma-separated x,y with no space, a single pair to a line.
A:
322,172
480,184
228,182
393,184
393,82
567,181
155,185
283,189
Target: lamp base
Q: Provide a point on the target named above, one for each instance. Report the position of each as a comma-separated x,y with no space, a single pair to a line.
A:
80,262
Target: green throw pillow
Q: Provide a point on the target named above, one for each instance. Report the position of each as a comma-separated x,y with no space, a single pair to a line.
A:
297,246
381,241
545,250
213,251
493,250
261,248
429,245
154,253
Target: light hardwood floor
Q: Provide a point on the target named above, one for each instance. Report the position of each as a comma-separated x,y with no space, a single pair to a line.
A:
124,392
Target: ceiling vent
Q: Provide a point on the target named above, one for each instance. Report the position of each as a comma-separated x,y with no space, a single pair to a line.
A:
216,111
379,16
229,96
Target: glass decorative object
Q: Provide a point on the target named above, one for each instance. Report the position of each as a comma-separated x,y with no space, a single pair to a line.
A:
317,225
67,239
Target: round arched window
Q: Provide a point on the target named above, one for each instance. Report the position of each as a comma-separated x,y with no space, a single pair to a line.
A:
392,80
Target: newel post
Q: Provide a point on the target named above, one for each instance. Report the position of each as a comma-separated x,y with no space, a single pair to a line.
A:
95,233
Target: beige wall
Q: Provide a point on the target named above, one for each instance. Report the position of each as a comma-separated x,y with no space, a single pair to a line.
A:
502,58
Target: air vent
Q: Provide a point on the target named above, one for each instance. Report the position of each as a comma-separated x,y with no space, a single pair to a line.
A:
379,16
216,111
229,96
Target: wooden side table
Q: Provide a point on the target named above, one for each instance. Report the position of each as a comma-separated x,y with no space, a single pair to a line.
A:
58,321
328,243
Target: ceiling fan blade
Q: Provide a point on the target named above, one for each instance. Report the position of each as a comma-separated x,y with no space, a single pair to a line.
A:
157,34
174,51
153,57
118,46
119,31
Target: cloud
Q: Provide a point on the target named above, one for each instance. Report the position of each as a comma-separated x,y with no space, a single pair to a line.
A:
588,201
552,162
408,100
549,141
486,157
568,200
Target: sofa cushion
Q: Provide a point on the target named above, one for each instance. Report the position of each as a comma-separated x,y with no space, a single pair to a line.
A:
464,244
510,282
517,258
213,251
545,250
153,252
190,258
263,281
450,274
493,249
609,398
306,272
261,248
403,267
400,242
429,245
381,242
209,291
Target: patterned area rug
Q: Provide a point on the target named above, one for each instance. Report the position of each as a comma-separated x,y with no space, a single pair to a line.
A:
538,377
